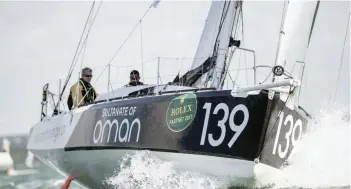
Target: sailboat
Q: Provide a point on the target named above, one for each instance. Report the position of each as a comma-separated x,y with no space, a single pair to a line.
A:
6,161
191,120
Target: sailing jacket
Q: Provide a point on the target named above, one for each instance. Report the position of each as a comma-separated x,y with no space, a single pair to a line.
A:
78,91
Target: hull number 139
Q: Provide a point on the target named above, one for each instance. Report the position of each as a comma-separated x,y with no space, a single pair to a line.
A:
222,123
289,135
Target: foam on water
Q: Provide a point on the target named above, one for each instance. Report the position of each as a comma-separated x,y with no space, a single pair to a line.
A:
322,157
142,170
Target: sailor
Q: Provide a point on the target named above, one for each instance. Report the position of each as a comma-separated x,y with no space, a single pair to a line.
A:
134,77
82,89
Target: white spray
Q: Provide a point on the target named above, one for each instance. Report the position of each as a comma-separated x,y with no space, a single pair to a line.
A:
322,157
144,171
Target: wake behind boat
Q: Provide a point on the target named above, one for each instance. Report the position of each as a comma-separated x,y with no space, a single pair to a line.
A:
192,120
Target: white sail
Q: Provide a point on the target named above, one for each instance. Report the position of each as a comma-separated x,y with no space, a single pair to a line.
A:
209,33
296,33
294,43
224,38
215,32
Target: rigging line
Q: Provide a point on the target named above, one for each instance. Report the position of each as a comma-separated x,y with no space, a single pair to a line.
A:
281,32
85,45
74,59
87,36
81,63
182,58
81,37
237,17
216,44
234,33
130,34
113,92
141,48
88,33
84,49
266,77
276,120
237,74
224,14
313,22
90,88
235,36
231,53
213,37
80,40
227,69
114,65
233,82
243,39
342,57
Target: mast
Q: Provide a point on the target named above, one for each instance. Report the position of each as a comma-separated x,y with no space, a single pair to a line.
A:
214,42
223,42
281,33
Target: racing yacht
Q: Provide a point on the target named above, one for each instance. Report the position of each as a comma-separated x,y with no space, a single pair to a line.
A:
191,120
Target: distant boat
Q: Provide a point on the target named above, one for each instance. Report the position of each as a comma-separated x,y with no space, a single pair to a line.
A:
6,161
243,133
14,154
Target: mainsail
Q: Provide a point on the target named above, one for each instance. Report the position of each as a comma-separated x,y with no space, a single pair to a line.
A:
214,45
210,59
208,37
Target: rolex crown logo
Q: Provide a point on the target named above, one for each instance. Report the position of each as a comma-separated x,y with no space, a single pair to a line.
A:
182,99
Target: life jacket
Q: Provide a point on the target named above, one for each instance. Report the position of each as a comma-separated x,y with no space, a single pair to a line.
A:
90,97
85,87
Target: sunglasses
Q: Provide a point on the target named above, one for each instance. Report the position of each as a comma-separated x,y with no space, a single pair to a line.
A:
88,75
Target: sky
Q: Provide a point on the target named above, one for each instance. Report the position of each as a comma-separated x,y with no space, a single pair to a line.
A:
39,38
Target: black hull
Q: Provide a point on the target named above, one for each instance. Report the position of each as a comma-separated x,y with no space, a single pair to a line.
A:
283,128
204,124
160,130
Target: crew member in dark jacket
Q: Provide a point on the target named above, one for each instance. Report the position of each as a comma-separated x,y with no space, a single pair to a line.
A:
80,89
134,79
